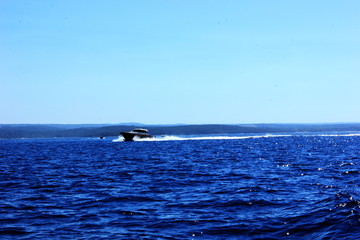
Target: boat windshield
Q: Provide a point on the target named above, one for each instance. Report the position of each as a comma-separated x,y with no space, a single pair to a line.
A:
141,130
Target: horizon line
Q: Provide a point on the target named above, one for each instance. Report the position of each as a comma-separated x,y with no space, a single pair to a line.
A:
179,124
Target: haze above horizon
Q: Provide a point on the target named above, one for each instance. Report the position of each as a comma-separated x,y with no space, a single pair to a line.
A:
168,62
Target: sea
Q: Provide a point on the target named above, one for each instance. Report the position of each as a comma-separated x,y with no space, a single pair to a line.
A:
288,186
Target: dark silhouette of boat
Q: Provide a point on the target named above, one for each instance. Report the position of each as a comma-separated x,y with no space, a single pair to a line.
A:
136,133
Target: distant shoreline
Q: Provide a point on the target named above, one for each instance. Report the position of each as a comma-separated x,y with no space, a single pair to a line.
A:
8,131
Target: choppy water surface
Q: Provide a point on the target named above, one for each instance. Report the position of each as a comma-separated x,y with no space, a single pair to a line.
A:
281,187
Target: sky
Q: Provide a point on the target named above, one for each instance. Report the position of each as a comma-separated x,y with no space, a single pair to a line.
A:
179,61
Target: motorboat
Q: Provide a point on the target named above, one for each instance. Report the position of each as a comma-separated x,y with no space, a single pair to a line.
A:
136,133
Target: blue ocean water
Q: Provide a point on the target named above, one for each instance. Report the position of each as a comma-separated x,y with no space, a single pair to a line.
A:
246,187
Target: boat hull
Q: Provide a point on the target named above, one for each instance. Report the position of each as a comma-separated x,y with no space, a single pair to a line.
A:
129,136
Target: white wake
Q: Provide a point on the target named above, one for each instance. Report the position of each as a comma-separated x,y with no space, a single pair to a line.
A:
185,138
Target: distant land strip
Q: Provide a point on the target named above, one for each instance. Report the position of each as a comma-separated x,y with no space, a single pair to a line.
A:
107,130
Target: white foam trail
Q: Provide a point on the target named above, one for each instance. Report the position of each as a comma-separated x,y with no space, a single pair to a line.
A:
182,138
178,138
339,135
119,139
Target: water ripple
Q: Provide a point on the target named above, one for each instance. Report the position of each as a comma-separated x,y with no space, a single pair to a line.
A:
262,187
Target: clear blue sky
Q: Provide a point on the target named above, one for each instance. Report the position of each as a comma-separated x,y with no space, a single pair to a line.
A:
179,61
